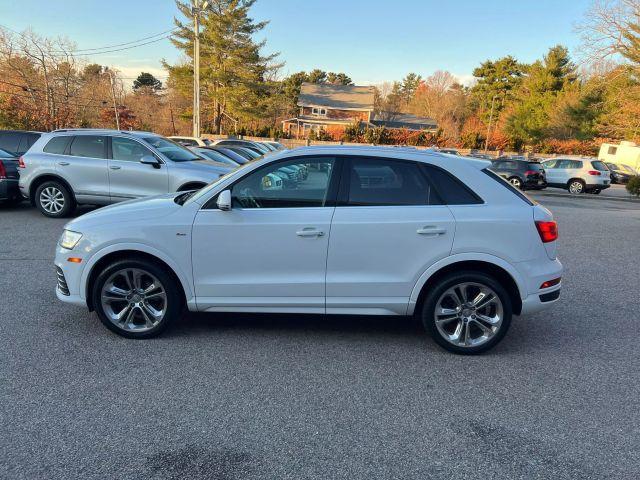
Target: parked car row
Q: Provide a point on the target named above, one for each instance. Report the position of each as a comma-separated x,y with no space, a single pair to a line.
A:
70,167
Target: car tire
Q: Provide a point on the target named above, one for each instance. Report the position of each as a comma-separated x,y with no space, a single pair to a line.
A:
443,329
596,191
516,182
576,187
54,200
127,303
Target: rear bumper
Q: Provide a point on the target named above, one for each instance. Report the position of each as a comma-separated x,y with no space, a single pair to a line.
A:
9,189
537,302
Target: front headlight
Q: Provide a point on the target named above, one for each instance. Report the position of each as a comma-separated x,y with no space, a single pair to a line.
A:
69,239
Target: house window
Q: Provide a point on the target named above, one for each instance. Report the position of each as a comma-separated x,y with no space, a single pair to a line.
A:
319,111
612,150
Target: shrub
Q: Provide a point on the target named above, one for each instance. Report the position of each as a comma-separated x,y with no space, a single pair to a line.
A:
633,187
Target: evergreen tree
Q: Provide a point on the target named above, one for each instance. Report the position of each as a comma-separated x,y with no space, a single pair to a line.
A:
147,81
497,79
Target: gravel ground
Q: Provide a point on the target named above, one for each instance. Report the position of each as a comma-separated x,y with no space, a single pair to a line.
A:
305,397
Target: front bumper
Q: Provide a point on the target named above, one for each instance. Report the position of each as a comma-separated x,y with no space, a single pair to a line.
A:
68,276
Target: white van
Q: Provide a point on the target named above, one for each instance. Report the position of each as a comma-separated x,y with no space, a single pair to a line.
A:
627,153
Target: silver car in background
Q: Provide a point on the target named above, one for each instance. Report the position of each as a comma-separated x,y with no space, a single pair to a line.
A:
65,168
577,174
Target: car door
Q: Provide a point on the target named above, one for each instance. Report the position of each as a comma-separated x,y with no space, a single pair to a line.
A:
269,252
84,166
388,228
128,177
554,174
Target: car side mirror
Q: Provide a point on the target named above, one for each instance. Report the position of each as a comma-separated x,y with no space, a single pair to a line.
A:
224,200
150,160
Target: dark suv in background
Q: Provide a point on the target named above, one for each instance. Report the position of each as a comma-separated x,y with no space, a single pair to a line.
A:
17,142
521,173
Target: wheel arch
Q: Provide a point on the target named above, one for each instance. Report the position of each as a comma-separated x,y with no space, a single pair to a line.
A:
493,266
46,177
576,179
109,255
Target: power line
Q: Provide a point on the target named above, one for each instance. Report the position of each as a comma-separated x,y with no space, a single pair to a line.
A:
124,44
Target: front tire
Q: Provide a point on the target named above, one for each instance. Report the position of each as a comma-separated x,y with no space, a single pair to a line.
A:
54,200
136,298
516,182
467,312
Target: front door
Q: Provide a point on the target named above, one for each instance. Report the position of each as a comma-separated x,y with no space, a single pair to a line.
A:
389,227
128,178
269,252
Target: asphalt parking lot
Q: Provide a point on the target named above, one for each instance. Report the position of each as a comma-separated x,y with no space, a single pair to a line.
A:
306,397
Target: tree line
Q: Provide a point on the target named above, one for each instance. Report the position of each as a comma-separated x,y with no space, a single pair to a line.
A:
554,104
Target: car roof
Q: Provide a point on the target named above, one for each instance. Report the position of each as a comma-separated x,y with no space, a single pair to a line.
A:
21,131
105,131
408,153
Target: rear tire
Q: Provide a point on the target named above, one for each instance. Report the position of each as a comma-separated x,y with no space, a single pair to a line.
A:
54,200
136,298
472,324
576,187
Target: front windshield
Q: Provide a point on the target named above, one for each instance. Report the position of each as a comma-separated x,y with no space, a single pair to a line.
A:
172,150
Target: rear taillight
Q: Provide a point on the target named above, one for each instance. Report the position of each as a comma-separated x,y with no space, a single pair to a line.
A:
3,171
21,163
548,231
594,172
550,283
530,172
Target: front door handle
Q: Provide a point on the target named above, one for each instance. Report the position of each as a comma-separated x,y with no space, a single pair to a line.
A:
64,164
431,231
309,232
115,167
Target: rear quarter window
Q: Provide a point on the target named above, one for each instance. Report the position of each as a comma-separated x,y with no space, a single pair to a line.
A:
508,186
600,166
57,145
450,189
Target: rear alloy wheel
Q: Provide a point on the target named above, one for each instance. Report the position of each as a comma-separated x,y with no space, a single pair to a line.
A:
467,313
54,200
516,182
576,187
136,298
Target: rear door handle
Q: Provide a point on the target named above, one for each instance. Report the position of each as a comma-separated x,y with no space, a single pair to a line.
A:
309,232
431,231
115,167
64,164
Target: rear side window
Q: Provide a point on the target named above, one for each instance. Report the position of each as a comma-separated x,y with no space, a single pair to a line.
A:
612,150
600,166
9,141
450,189
508,186
88,146
385,182
57,145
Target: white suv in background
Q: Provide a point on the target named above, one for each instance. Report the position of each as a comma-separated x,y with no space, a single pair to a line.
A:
577,174
369,231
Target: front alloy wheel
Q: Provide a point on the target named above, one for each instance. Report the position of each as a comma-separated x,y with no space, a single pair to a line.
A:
136,298
516,182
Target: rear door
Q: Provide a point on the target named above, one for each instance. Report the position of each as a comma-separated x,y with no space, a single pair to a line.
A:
128,177
84,167
389,226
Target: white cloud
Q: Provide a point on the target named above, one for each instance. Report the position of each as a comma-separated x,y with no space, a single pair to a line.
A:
465,79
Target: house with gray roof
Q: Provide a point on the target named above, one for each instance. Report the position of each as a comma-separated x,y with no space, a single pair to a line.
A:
331,108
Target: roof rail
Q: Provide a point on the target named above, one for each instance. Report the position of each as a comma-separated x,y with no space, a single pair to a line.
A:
88,130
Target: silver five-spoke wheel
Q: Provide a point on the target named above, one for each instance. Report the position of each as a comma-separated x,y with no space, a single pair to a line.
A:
134,300
468,314
52,200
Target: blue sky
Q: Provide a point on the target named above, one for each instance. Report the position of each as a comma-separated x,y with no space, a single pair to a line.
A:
372,41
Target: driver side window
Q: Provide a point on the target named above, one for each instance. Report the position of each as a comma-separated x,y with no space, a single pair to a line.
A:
127,150
301,182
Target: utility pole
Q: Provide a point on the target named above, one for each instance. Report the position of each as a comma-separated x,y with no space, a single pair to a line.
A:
486,141
196,10
113,95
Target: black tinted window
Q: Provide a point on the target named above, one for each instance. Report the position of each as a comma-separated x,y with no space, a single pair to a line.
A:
452,190
508,186
57,145
9,141
88,146
379,182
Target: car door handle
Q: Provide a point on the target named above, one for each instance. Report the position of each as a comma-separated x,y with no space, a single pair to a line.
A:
64,164
431,230
115,167
309,232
